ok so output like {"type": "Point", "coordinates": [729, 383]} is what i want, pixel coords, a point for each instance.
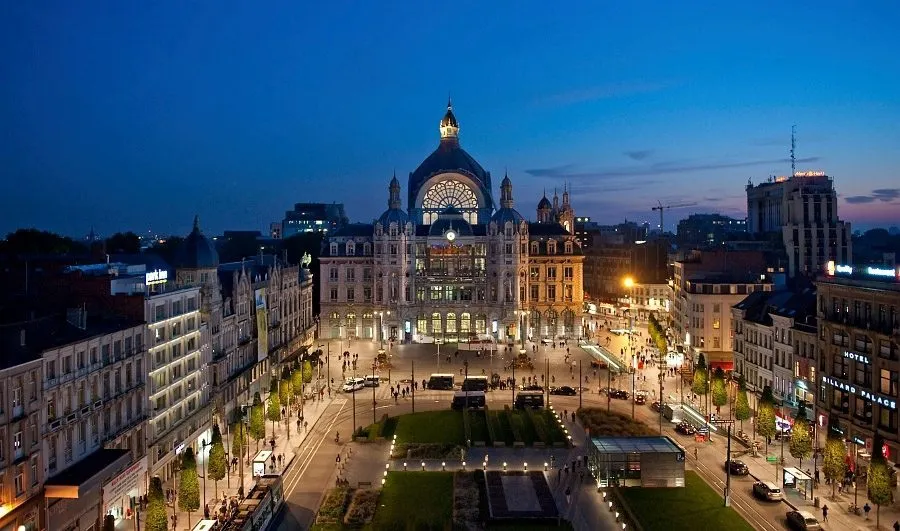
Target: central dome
{"type": "Point", "coordinates": [449, 157]}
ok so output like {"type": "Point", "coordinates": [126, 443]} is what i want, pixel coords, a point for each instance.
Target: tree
{"type": "Point", "coordinates": [286, 391]}
{"type": "Point", "coordinates": [34, 241]}
{"type": "Point", "coordinates": [168, 248]}
{"type": "Point", "coordinates": [238, 440]}
{"type": "Point", "coordinates": [273, 412]}
{"type": "Point", "coordinates": [765, 416]}
{"type": "Point", "coordinates": [741, 404]}
{"type": "Point", "coordinates": [297, 381]}
{"type": "Point", "coordinates": [834, 461]}
{"type": "Point", "coordinates": [155, 518]}
{"type": "Point", "coordinates": [218, 464]}
{"type": "Point", "coordinates": [801, 440]}
{"type": "Point", "coordinates": [701, 382]}
{"type": "Point", "coordinates": [719, 390]}
{"type": "Point", "coordinates": [257, 420]}
{"type": "Point", "coordinates": [307, 371]}
{"type": "Point", "coordinates": [123, 242]}
{"type": "Point", "coordinates": [879, 479]}
{"type": "Point", "coordinates": [188, 484]}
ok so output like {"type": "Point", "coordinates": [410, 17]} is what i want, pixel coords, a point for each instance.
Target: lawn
{"type": "Point", "coordinates": [444, 426]}
{"type": "Point", "coordinates": [683, 508]}
{"type": "Point", "coordinates": [413, 500]}
{"type": "Point", "coordinates": [479, 426]}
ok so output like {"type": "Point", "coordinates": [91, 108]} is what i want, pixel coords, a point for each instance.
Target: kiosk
{"type": "Point", "coordinates": [794, 478]}
{"type": "Point", "coordinates": [260, 462]}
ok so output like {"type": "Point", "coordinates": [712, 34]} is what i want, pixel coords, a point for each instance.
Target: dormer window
{"type": "Point", "coordinates": [568, 247]}
{"type": "Point", "coordinates": [534, 248]}
{"type": "Point", "coordinates": [334, 249]}
{"type": "Point", "coordinates": [551, 247]}
{"type": "Point", "coordinates": [393, 230]}
{"type": "Point", "coordinates": [508, 229]}
{"type": "Point", "coordinates": [367, 249]}
{"type": "Point", "coordinates": [351, 249]}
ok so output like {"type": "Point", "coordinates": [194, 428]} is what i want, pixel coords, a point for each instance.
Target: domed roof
{"type": "Point", "coordinates": [502, 215]}
{"type": "Point", "coordinates": [393, 215]}
{"type": "Point", "coordinates": [544, 203]}
{"type": "Point", "coordinates": [196, 251]}
{"type": "Point", "coordinates": [451, 218]}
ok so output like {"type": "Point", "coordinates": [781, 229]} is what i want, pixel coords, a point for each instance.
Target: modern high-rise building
{"type": "Point", "coordinates": [803, 209]}
{"type": "Point", "coordinates": [708, 229]}
{"type": "Point", "coordinates": [452, 266]}
{"type": "Point", "coordinates": [313, 217]}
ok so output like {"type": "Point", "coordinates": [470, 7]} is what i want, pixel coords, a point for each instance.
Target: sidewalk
{"type": "Point", "coordinates": [287, 443]}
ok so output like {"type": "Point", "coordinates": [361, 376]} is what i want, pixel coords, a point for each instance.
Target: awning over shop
{"type": "Point", "coordinates": [97, 467]}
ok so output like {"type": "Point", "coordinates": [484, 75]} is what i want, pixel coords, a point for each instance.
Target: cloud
{"type": "Point", "coordinates": [854, 199]}
{"type": "Point", "coordinates": [885, 195]}
{"type": "Point", "coordinates": [601, 92]}
{"type": "Point", "coordinates": [638, 155]}
{"type": "Point", "coordinates": [660, 168]}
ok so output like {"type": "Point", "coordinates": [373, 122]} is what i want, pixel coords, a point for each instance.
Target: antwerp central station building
{"type": "Point", "coordinates": [452, 266]}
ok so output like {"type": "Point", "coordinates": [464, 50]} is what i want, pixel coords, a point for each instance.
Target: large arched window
{"type": "Point", "coordinates": [450, 193]}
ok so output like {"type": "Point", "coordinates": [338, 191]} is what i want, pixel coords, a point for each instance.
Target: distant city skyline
{"type": "Point", "coordinates": [137, 117]}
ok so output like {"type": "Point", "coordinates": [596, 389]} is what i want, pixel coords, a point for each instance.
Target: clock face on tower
{"type": "Point", "coordinates": [450, 235]}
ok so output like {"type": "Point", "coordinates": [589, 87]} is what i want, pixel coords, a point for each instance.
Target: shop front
{"type": "Point", "coordinates": [121, 493]}
{"type": "Point", "coordinates": [74, 496]}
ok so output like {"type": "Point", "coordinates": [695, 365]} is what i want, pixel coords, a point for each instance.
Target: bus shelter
{"type": "Point", "coordinates": [794, 478]}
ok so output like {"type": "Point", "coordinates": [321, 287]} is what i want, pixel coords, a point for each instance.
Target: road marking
{"type": "Point", "coordinates": [310, 453]}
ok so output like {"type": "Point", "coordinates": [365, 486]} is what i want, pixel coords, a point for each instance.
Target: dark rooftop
{"type": "Point", "coordinates": [90, 466]}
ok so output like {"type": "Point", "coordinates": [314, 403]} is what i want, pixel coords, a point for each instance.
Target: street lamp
{"type": "Point", "coordinates": [438, 343]}
{"type": "Point", "coordinates": [328, 363]}
{"type": "Point", "coordinates": [203, 446]}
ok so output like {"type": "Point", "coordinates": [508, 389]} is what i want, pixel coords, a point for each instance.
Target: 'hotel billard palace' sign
{"type": "Point", "coordinates": [864, 393]}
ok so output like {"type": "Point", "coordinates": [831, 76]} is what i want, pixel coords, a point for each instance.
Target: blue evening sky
{"type": "Point", "coordinates": [137, 115]}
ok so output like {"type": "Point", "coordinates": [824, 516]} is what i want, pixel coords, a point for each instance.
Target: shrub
{"type": "Point", "coordinates": [362, 507]}
{"type": "Point", "coordinates": [334, 505]}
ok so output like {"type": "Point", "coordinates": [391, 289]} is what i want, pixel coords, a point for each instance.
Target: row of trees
{"type": "Point", "coordinates": [282, 391]}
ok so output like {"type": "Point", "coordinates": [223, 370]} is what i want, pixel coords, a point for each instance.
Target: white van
{"type": "Point", "coordinates": [353, 384]}
{"type": "Point", "coordinates": [373, 381]}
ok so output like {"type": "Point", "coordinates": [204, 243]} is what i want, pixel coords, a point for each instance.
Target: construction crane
{"type": "Point", "coordinates": [663, 208]}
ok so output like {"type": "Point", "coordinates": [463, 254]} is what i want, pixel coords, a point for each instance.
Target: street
{"type": "Point", "coordinates": [314, 470]}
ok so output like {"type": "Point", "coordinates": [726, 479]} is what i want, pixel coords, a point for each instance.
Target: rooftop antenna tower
{"type": "Point", "coordinates": [793, 148]}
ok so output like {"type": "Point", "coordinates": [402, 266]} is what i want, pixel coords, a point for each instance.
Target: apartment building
{"type": "Point", "coordinates": [707, 284]}
{"type": "Point", "coordinates": [93, 420]}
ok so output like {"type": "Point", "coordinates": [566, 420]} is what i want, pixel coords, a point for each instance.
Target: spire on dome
{"type": "Point", "coordinates": [506, 197]}
{"type": "Point", "coordinates": [449, 124]}
{"type": "Point", "coordinates": [394, 196]}
{"type": "Point", "coordinates": [196, 223]}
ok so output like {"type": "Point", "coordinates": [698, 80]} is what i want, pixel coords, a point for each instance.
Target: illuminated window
{"type": "Point", "coordinates": [450, 194]}
{"type": "Point", "coordinates": [716, 324]}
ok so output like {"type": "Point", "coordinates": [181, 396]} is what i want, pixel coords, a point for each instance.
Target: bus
{"type": "Point", "coordinates": [441, 382]}
{"type": "Point", "coordinates": [532, 399]}
{"type": "Point", "coordinates": [475, 383]}
{"type": "Point", "coordinates": [474, 399]}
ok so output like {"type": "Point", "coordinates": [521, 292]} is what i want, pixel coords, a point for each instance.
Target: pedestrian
{"type": "Point", "coordinates": [568, 494]}
{"type": "Point", "coordinates": [825, 513]}
{"type": "Point", "coordinates": [566, 468]}
{"type": "Point", "coordinates": [866, 509]}
{"type": "Point", "coordinates": [896, 525]}
{"type": "Point", "coordinates": [817, 477]}
{"type": "Point", "coordinates": [695, 452]}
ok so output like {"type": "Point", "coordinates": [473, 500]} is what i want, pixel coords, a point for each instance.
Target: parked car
{"type": "Point", "coordinates": [767, 490]}
{"type": "Point", "coordinates": [621, 394]}
{"type": "Point", "coordinates": [530, 388]}
{"type": "Point", "coordinates": [737, 467]}
{"type": "Point", "coordinates": [802, 520]}
{"type": "Point", "coordinates": [685, 428]}
{"type": "Point", "coordinates": [564, 390]}
{"type": "Point", "coordinates": [353, 384]}
{"type": "Point", "coordinates": [656, 406]}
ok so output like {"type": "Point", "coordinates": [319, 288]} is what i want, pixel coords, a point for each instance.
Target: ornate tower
{"type": "Point", "coordinates": [566, 214]}
{"type": "Point", "coordinates": [449, 125]}
{"type": "Point", "coordinates": [506, 198]}
{"type": "Point", "coordinates": [394, 202]}
{"type": "Point", "coordinates": [544, 210]}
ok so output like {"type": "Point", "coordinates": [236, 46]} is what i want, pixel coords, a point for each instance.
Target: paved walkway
{"type": "Point", "coordinates": [287, 442]}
